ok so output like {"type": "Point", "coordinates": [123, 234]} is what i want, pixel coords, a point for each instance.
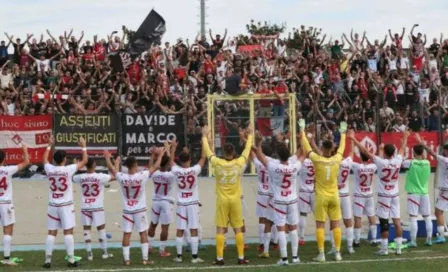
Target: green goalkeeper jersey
{"type": "Point", "coordinates": [417, 178]}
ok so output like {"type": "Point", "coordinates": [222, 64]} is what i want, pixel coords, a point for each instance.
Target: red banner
{"type": "Point", "coordinates": [250, 48]}
{"type": "Point", "coordinates": [369, 141]}
{"type": "Point", "coordinates": [431, 139]}
{"type": "Point", "coordinates": [35, 131]}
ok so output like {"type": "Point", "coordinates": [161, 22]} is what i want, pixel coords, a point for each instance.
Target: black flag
{"type": "Point", "coordinates": [149, 32]}
{"type": "Point", "coordinates": [119, 61]}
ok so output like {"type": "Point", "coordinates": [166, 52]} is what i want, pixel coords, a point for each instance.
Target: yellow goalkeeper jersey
{"type": "Point", "coordinates": [228, 173]}
{"type": "Point", "coordinates": [326, 169]}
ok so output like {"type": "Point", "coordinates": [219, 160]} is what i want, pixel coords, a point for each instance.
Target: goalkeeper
{"type": "Point", "coordinates": [326, 188]}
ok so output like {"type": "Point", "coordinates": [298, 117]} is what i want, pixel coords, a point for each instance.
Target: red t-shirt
{"type": "Point", "coordinates": [24, 59]}
{"type": "Point", "coordinates": [280, 89]}
{"type": "Point", "coordinates": [265, 103]}
{"type": "Point", "coordinates": [418, 63]}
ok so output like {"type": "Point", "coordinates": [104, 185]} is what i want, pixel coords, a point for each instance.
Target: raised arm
{"type": "Point", "coordinates": [362, 149]}
{"type": "Point", "coordinates": [404, 143]}
{"type": "Point", "coordinates": [259, 152]}
{"type": "Point", "coordinates": [83, 162]}
{"type": "Point", "coordinates": [205, 146]}
{"type": "Point", "coordinates": [159, 153]}
{"type": "Point", "coordinates": [26, 158]}
{"type": "Point", "coordinates": [342, 130]}
{"type": "Point", "coordinates": [303, 139]}
{"type": "Point", "coordinates": [422, 143]}
{"type": "Point", "coordinates": [47, 151]}
{"type": "Point", "coordinates": [113, 169]}
{"type": "Point", "coordinates": [248, 146]}
{"type": "Point", "coordinates": [173, 148]}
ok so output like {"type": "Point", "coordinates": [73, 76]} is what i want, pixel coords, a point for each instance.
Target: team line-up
{"type": "Point", "coordinates": [313, 180]}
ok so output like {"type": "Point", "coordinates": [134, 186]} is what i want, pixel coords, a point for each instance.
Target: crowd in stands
{"type": "Point", "coordinates": [387, 85]}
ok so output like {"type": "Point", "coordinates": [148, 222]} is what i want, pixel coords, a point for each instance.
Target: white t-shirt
{"type": "Point", "coordinates": [6, 173]}
{"type": "Point", "coordinates": [92, 190]}
{"type": "Point", "coordinates": [163, 186]}
{"type": "Point", "coordinates": [187, 184]}
{"type": "Point", "coordinates": [5, 80]}
{"type": "Point", "coordinates": [363, 174]}
{"type": "Point", "coordinates": [404, 63]}
{"type": "Point", "coordinates": [442, 172]}
{"type": "Point", "coordinates": [344, 173]}
{"type": "Point", "coordinates": [60, 181]}
{"type": "Point", "coordinates": [46, 64]}
{"type": "Point", "coordinates": [306, 177]}
{"type": "Point", "coordinates": [424, 94]}
{"type": "Point", "coordinates": [133, 190]}
{"type": "Point", "coordinates": [388, 173]}
{"type": "Point", "coordinates": [283, 180]}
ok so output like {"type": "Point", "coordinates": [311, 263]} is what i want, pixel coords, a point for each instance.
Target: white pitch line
{"type": "Point", "coordinates": [154, 268]}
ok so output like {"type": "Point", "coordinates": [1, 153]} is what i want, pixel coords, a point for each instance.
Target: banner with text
{"type": "Point", "coordinates": [142, 131]}
{"type": "Point", "coordinates": [370, 142]}
{"type": "Point", "coordinates": [100, 132]}
{"type": "Point", "coordinates": [34, 131]}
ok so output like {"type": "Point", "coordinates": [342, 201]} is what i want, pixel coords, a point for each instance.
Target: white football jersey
{"type": "Point", "coordinates": [306, 177]}
{"type": "Point", "coordinates": [363, 174]}
{"type": "Point", "coordinates": [6, 173]}
{"type": "Point", "coordinates": [187, 184]}
{"type": "Point", "coordinates": [388, 173]}
{"type": "Point", "coordinates": [442, 173]}
{"type": "Point", "coordinates": [263, 177]}
{"type": "Point", "coordinates": [92, 190]}
{"type": "Point", "coordinates": [133, 190]}
{"type": "Point", "coordinates": [344, 173]}
{"type": "Point", "coordinates": [283, 180]}
{"type": "Point", "coordinates": [163, 186]}
{"type": "Point", "coordinates": [60, 181]}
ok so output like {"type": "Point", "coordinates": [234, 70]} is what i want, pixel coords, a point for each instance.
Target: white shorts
{"type": "Point", "coordinates": [61, 217]}
{"type": "Point", "coordinates": [388, 207]}
{"type": "Point", "coordinates": [262, 209]}
{"type": "Point", "coordinates": [137, 220]}
{"type": "Point", "coordinates": [442, 201]}
{"type": "Point", "coordinates": [187, 217]}
{"type": "Point", "coordinates": [162, 212]}
{"type": "Point", "coordinates": [271, 210]}
{"type": "Point", "coordinates": [306, 202]}
{"type": "Point", "coordinates": [95, 218]}
{"type": "Point", "coordinates": [363, 206]}
{"type": "Point", "coordinates": [419, 204]}
{"type": "Point", "coordinates": [7, 215]}
{"type": "Point", "coordinates": [346, 207]}
{"type": "Point", "coordinates": [286, 214]}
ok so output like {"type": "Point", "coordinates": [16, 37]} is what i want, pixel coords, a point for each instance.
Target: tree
{"type": "Point", "coordinates": [297, 38]}
{"type": "Point", "coordinates": [259, 29]}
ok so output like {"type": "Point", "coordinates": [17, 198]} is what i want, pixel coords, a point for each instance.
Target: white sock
{"type": "Point", "coordinates": [301, 227]}
{"type": "Point", "coordinates": [294, 242]}
{"type": "Point", "coordinates": [103, 240]}
{"type": "Point", "coordinates": [187, 237]}
{"type": "Point", "coordinates": [200, 233]}
{"type": "Point", "coordinates": [349, 232]}
{"type": "Point", "coordinates": [150, 241]}
{"type": "Point", "coordinates": [384, 244]}
{"type": "Point", "coordinates": [332, 239]}
{"type": "Point", "coordinates": [49, 248]}
{"type": "Point", "coordinates": [414, 228]}
{"type": "Point", "coordinates": [194, 245]}
{"type": "Point", "coordinates": [274, 236]}
{"type": "Point", "coordinates": [179, 244]}
{"type": "Point", "coordinates": [373, 231]}
{"type": "Point", "coordinates": [267, 241]}
{"type": "Point", "coordinates": [282, 244]}
{"type": "Point", "coordinates": [441, 231]}
{"type": "Point", "coordinates": [399, 241]}
{"type": "Point", "coordinates": [7, 246]}
{"type": "Point", "coordinates": [145, 249]}
{"type": "Point", "coordinates": [126, 253]}
{"type": "Point", "coordinates": [70, 247]}
{"type": "Point", "coordinates": [357, 234]}
{"type": "Point", "coordinates": [261, 233]}
{"type": "Point", "coordinates": [429, 227]}
{"type": "Point", "coordinates": [162, 246]}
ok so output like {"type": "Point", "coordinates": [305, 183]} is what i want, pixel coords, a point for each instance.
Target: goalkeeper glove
{"type": "Point", "coordinates": [302, 124]}
{"type": "Point", "coordinates": [343, 127]}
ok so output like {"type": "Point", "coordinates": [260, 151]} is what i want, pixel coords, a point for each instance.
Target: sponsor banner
{"type": "Point", "coordinates": [143, 131]}
{"type": "Point", "coordinates": [100, 132]}
{"type": "Point", "coordinates": [431, 139]}
{"type": "Point", "coordinates": [35, 131]}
